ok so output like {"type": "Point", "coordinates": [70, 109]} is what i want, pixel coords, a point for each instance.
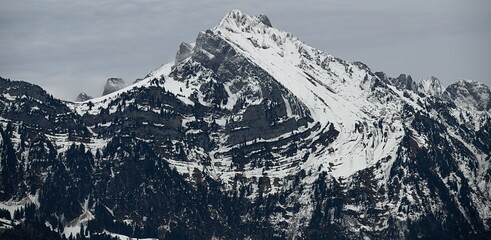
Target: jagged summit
{"type": "Point", "coordinates": [185, 50]}
{"type": "Point", "coordinates": [431, 86]}
{"type": "Point", "coordinates": [82, 97]}
{"type": "Point", "coordinates": [469, 94]}
{"type": "Point", "coordinates": [404, 81]}
{"type": "Point", "coordinates": [112, 85]}
{"type": "Point", "coordinates": [238, 19]}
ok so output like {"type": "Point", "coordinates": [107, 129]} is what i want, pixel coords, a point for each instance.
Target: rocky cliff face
{"type": "Point", "coordinates": [82, 97]}
{"type": "Point", "coordinates": [250, 133]}
{"type": "Point", "coordinates": [185, 50]}
{"type": "Point", "coordinates": [112, 85]}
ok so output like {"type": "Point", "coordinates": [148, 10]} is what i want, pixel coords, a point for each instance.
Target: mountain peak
{"type": "Point", "coordinates": [470, 94]}
{"type": "Point", "coordinates": [82, 97]}
{"type": "Point", "coordinates": [185, 50]}
{"type": "Point", "coordinates": [237, 19]}
{"type": "Point", "coordinates": [430, 86]}
{"type": "Point", "coordinates": [113, 84]}
{"type": "Point", "coordinates": [404, 81]}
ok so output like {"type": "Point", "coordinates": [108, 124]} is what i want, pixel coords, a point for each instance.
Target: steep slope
{"type": "Point", "coordinates": [250, 133]}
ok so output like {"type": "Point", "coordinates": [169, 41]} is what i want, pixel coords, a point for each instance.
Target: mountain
{"type": "Point", "coordinates": [250, 134]}
{"type": "Point", "coordinates": [82, 97]}
{"type": "Point", "coordinates": [431, 86]}
{"type": "Point", "coordinates": [404, 82]}
{"type": "Point", "coordinates": [470, 94]}
{"type": "Point", "coordinates": [112, 85]}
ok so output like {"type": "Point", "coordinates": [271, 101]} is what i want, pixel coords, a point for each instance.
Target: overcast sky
{"type": "Point", "coordinates": [72, 46]}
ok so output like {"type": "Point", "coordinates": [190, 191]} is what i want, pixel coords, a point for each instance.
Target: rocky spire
{"type": "Point", "coordinates": [113, 84]}
{"type": "Point", "coordinates": [265, 20]}
{"type": "Point", "coordinates": [404, 82]}
{"type": "Point", "coordinates": [238, 19]}
{"type": "Point", "coordinates": [185, 50]}
{"type": "Point", "coordinates": [82, 97]}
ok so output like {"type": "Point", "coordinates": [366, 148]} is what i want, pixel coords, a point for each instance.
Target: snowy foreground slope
{"type": "Point", "coordinates": [250, 134]}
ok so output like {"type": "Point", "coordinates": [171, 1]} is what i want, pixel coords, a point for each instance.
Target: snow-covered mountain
{"type": "Point", "coordinates": [470, 94]}
{"type": "Point", "coordinates": [251, 133]}
{"type": "Point", "coordinates": [431, 86]}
